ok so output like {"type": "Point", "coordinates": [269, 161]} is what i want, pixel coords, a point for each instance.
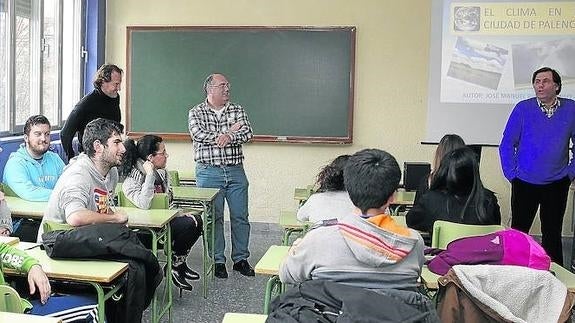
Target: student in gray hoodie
{"type": "Point", "coordinates": [368, 250]}
{"type": "Point", "coordinates": [84, 192]}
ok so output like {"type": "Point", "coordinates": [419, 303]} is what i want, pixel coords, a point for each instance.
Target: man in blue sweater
{"type": "Point", "coordinates": [33, 170]}
{"type": "Point", "coordinates": [534, 155]}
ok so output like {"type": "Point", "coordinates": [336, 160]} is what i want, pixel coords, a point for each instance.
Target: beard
{"type": "Point", "coordinates": [39, 150]}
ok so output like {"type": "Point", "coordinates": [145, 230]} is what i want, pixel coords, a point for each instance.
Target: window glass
{"type": "Point", "coordinates": [50, 60]}
{"type": "Point", "coordinates": [23, 65]}
{"type": "Point", "coordinates": [3, 66]}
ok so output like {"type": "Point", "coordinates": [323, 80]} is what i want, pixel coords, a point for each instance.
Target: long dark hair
{"type": "Point", "coordinates": [458, 176]}
{"type": "Point", "coordinates": [448, 143]}
{"type": "Point", "coordinates": [146, 145]}
{"type": "Point", "coordinates": [330, 178]}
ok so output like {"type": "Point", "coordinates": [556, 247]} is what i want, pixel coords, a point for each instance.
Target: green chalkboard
{"type": "Point", "coordinates": [295, 83]}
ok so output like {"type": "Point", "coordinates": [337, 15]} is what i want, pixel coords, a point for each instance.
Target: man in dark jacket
{"type": "Point", "coordinates": [103, 102]}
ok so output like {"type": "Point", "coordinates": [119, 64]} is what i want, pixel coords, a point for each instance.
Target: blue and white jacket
{"type": "Point", "coordinates": [32, 179]}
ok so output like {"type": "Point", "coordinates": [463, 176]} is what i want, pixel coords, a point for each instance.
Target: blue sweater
{"type": "Point", "coordinates": [535, 148]}
{"type": "Point", "coordinates": [31, 179]}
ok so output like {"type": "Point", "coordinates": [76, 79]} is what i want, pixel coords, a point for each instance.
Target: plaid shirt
{"type": "Point", "coordinates": [205, 126]}
{"type": "Point", "coordinates": [549, 111]}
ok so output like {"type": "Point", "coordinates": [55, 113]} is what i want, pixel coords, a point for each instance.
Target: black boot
{"type": "Point", "coordinates": [189, 273]}
{"type": "Point", "coordinates": [179, 274]}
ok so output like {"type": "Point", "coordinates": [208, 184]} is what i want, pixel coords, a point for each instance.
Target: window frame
{"type": "Point", "coordinates": [37, 46]}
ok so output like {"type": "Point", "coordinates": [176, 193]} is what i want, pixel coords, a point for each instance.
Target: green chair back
{"type": "Point", "coordinates": [10, 301]}
{"type": "Point", "coordinates": [174, 177]}
{"type": "Point", "coordinates": [50, 226]}
{"type": "Point", "coordinates": [8, 191]}
{"type": "Point", "coordinates": [444, 232]}
{"type": "Point", "coordinates": [159, 201]}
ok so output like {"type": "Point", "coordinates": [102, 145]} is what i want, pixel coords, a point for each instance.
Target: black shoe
{"type": "Point", "coordinates": [220, 271]}
{"type": "Point", "coordinates": [179, 264]}
{"type": "Point", "coordinates": [191, 275]}
{"type": "Point", "coordinates": [184, 270]}
{"type": "Point", "coordinates": [244, 268]}
{"type": "Point", "coordinates": [179, 279]}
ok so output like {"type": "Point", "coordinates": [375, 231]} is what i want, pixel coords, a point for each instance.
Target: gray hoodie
{"type": "Point", "coordinates": [80, 187]}
{"type": "Point", "coordinates": [358, 253]}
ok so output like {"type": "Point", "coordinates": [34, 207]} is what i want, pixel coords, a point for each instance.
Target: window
{"type": "Point", "coordinates": [40, 61]}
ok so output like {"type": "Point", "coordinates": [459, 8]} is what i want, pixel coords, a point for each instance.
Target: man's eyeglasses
{"type": "Point", "coordinates": [222, 86]}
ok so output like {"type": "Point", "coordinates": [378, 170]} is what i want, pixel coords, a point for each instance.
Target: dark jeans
{"type": "Point", "coordinates": [552, 200]}
{"type": "Point", "coordinates": [185, 232]}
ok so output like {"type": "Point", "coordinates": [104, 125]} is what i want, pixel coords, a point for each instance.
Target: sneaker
{"type": "Point", "coordinates": [220, 271]}
{"type": "Point", "coordinates": [244, 268]}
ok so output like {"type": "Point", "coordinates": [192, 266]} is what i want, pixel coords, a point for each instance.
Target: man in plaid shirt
{"type": "Point", "coordinates": [218, 129]}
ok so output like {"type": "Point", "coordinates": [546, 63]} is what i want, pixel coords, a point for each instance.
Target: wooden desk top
{"type": "Point", "coordinates": [16, 317]}
{"type": "Point", "coordinates": [9, 240]}
{"type": "Point", "coordinates": [564, 275]}
{"type": "Point", "coordinates": [192, 193]}
{"type": "Point", "coordinates": [189, 175]}
{"type": "Point", "coordinates": [22, 208]}
{"type": "Point", "coordinates": [244, 318]}
{"type": "Point", "coordinates": [99, 271]}
{"type": "Point", "coordinates": [301, 194]}
{"type": "Point", "coordinates": [153, 218]}
{"type": "Point", "coordinates": [288, 220]}
{"type": "Point", "coordinates": [403, 198]}
{"type": "Point", "coordinates": [270, 262]}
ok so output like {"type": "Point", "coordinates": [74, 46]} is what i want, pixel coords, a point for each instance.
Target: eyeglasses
{"type": "Point", "coordinates": [222, 86]}
{"type": "Point", "coordinates": [163, 153]}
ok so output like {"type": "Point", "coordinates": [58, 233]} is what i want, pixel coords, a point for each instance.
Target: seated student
{"type": "Point", "coordinates": [331, 199]}
{"type": "Point", "coordinates": [83, 198]}
{"type": "Point", "coordinates": [456, 194]}
{"type": "Point", "coordinates": [32, 171]}
{"type": "Point", "coordinates": [366, 250]}
{"type": "Point", "coordinates": [448, 143]}
{"type": "Point", "coordinates": [15, 258]}
{"type": "Point", "coordinates": [73, 308]}
{"type": "Point", "coordinates": [144, 165]}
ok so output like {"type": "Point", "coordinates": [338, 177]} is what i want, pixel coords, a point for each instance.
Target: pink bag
{"type": "Point", "coordinates": [505, 247]}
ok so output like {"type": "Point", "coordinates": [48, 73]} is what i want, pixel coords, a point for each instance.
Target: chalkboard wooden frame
{"type": "Point", "coordinates": [133, 70]}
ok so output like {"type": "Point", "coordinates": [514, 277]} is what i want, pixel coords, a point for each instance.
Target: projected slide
{"type": "Point", "coordinates": [482, 57]}
{"type": "Point", "coordinates": [490, 49]}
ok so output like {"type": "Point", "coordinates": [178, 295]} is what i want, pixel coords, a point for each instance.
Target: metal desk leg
{"type": "Point", "coordinates": [273, 287]}
{"type": "Point", "coordinates": [208, 242]}
{"type": "Point", "coordinates": [166, 237]}
{"type": "Point", "coordinates": [102, 297]}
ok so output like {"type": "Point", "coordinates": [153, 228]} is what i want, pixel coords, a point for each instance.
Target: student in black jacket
{"type": "Point", "coordinates": [447, 143]}
{"type": "Point", "coordinates": [456, 194]}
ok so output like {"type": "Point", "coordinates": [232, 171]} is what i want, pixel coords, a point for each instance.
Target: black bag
{"type": "Point", "coordinates": [326, 302]}
{"type": "Point", "coordinates": [27, 230]}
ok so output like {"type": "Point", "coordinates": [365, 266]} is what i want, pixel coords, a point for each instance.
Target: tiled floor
{"type": "Point", "coordinates": [234, 294]}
